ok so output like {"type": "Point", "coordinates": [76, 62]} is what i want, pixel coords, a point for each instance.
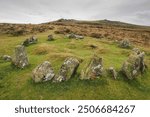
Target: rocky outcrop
{"type": "Point", "coordinates": [43, 72]}
{"type": "Point", "coordinates": [29, 41]}
{"type": "Point", "coordinates": [134, 65]}
{"type": "Point", "coordinates": [94, 69]}
{"type": "Point", "coordinates": [20, 58]}
{"type": "Point", "coordinates": [67, 70]}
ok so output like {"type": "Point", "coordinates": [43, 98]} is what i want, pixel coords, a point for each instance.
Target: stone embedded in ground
{"type": "Point", "coordinates": [125, 44]}
{"type": "Point", "coordinates": [43, 72]}
{"type": "Point", "coordinates": [134, 65]}
{"type": "Point", "coordinates": [50, 38]}
{"type": "Point", "coordinates": [7, 58]}
{"type": "Point", "coordinates": [94, 69]}
{"type": "Point", "coordinates": [67, 70]}
{"type": "Point", "coordinates": [20, 58]}
{"type": "Point", "coordinates": [74, 36]}
{"type": "Point", "coordinates": [29, 41]}
{"type": "Point", "coordinates": [113, 72]}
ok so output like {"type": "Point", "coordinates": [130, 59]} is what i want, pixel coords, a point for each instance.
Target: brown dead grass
{"type": "Point", "coordinates": [44, 48]}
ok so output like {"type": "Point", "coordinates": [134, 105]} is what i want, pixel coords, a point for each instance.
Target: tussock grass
{"type": "Point", "coordinates": [18, 84]}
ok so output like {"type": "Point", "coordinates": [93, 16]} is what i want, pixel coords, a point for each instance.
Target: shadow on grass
{"type": "Point", "coordinates": [72, 83]}
{"type": "Point", "coordinates": [135, 83]}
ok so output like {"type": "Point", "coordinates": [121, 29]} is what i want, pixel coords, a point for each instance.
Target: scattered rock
{"type": "Point", "coordinates": [113, 72]}
{"type": "Point", "coordinates": [43, 72]}
{"type": "Point", "coordinates": [94, 69]}
{"type": "Point", "coordinates": [7, 58]}
{"type": "Point", "coordinates": [134, 65]}
{"type": "Point", "coordinates": [67, 70]}
{"type": "Point", "coordinates": [29, 41]}
{"type": "Point", "coordinates": [71, 36]}
{"type": "Point", "coordinates": [125, 44]}
{"type": "Point", "coordinates": [50, 38]}
{"type": "Point", "coordinates": [20, 58]}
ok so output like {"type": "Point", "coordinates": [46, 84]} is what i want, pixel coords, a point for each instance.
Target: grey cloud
{"type": "Point", "coordinates": [38, 11]}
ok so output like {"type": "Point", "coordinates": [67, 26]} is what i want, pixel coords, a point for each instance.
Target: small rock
{"type": "Point", "coordinates": [50, 38]}
{"type": "Point", "coordinates": [94, 69]}
{"type": "Point", "coordinates": [67, 70]}
{"type": "Point", "coordinates": [71, 36]}
{"type": "Point", "coordinates": [29, 41]}
{"type": "Point", "coordinates": [20, 58]}
{"type": "Point", "coordinates": [43, 72]}
{"type": "Point", "coordinates": [7, 58]}
{"type": "Point", "coordinates": [113, 72]}
{"type": "Point", "coordinates": [125, 44]}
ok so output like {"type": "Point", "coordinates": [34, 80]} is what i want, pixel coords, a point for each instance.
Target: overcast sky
{"type": "Point", "coordinates": [39, 11]}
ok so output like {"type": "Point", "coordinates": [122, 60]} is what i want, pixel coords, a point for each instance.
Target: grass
{"type": "Point", "coordinates": [18, 84]}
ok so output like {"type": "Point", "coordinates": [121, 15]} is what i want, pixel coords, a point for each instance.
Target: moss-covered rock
{"type": "Point", "coordinates": [94, 69]}
{"type": "Point", "coordinates": [67, 69]}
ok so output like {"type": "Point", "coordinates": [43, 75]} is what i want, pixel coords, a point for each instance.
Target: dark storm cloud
{"type": "Point", "coordinates": [37, 11]}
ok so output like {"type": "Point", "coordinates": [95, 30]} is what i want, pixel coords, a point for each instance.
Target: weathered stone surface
{"type": "Point", "coordinates": [20, 58]}
{"type": "Point", "coordinates": [134, 65]}
{"type": "Point", "coordinates": [67, 70]}
{"type": "Point", "coordinates": [94, 69]}
{"type": "Point", "coordinates": [29, 41]}
{"type": "Point", "coordinates": [50, 38]}
{"type": "Point", "coordinates": [43, 72]}
{"type": "Point", "coordinates": [125, 44]}
{"type": "Point", "coordinates": [113, 72]}
{"type": "Point", "coordinates": [7, 58]}
{"type": "Point", "coordinates": [71, 36]}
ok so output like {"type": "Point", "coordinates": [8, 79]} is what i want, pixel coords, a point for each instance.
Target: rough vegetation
{"type": "Point", "coordinates": [95, 53]}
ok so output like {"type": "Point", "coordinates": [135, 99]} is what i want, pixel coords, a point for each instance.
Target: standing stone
{"type": "Point", "coordinates": [50, 38]}
{"type": "Point", "coordinates": [134, 65]}
{"type": "Point", "coordinates": [67, 70]}
{"type": "Point", "coordinates": [113, 72]}
{"type": "Point", "coordinates": [94, 69]}
{"type": "Point", "coordinates": [43, 72]}
{"type": "Point", "coordinates": [20, 58]}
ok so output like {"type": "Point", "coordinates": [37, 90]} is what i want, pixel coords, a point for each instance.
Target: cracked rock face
{"type": "Point", "coordinates": [94, 69]}
{"type": "Point", "coordinates": [20, 59]}
{"type": "Point", "coordinates": [67, 70]}
{"type": "Point", "coordinates": [134, 65]}
{"type": "Point", "coordinates": [43, 72]}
